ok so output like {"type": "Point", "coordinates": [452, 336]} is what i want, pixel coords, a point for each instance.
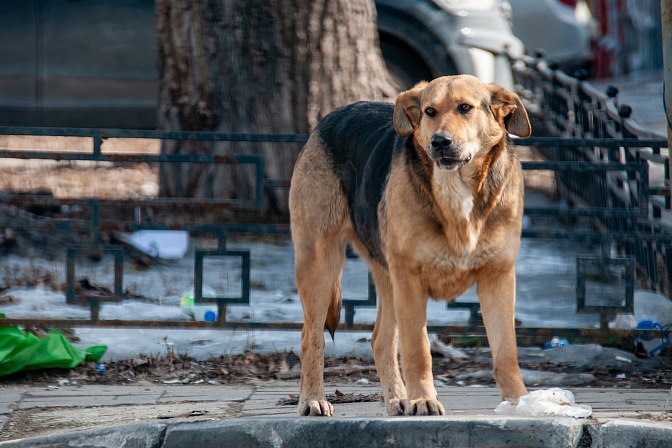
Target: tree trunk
{"type": "Point", "coordinates": [270, 66]}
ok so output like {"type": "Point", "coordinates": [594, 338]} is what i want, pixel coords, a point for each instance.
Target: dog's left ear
{"type": "Point", "coordinates": [407, 111]}
{"type": "Point", "coordinates": [509, 110]}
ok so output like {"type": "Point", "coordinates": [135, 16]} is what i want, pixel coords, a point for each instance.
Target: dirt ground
{"type": "Point", "coordinates": [251, 367]}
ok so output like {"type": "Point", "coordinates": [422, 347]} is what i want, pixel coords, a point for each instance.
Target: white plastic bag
{"type": "Point", "coordinates": [544, 403]}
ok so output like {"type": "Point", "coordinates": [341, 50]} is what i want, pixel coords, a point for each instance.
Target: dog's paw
{"type": "Point", "coordinates": [319, 407]}
{"type": "Point", "coordinates": [423, 406]}
{"type": "Point", "coordinates": [396, 406]}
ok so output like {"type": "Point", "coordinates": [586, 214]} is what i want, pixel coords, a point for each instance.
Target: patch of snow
{"type": "Point", "coordinates": [546, 272]}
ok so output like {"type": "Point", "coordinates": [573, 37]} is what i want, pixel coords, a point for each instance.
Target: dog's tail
{"type": "Point", "coordinates": [334, 312]}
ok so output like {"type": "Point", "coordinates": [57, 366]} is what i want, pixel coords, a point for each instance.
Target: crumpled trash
{"type": "Point", "coordinates": [25, 351]}
{"type": "Point", "coordinates": [447, 351]}
{"type": "Point", "coordinates": [652, 311]}
{"type": "Point", "coordinates": [555, 343]}
{"type": "Point", "coordinates": [554, 402]}
{"type": "Point", "coordinates": [536, 378]}
{"type": "Point", "coordinates": [202, 311]}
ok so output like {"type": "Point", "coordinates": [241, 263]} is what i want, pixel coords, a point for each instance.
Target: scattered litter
{"type": "Point", "coordinates": [183, 415]}
{"type": "Point", "coordinates": [204, 311]}
{"type": "Point", "coordinates": [288, 374]}
{"type": "Point", "coordinates": [63, 382]}
{"type": "Point", "coordinates": [624, 322]}
{"type": "Point", "coordinates": [149, 189]}
{"type": "Point", "coordinates": [447, 351]}
{"type": "Point", "coordinates": [337, 397]}
{"type": "Point", "coordinates": [213, 382]}
{"type": "Point", "coordinates": [168, 244]}
{"type": "Point", "coordinates": [460, 383]}
{"type": "Point", "coordinates": [363, 381]}
{"type": "Point", "coordinates": [100, 367]}
{"type": "Point", "coordinates": [175, 381]}
{"type": "Point", "coordinates": [620, 376]}
{"type": "Point", "coordinates": [199, 381]}
{"type": "Point", "coordinates": [652, 345]}
{"type": "Point", "coordinates": [620, 358]}
{"type": "Point", "coordinates": [555, 343]}
{"type": "Point", "coordinates": [589, 356]}
{"type": "Point", "coordinates": [9, 300]}
{"type": "Point", "coordinates": [53, 388]}
{"type": "Point", "coordinates": [537, 378]}
{"type": "Point", "coordinates": [650, 310]}
{"type": "Point", "coordinates": [25, 351]}
{"type": "Point", "coordinates": [550, 402]}
{"type": "Point", "coordinates": [526, 221]}
{"type": "Point", "coordinates": [439, 383]}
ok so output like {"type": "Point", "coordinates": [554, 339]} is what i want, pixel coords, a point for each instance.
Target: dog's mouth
{"type": "Point", "coordinates": [449, 163]}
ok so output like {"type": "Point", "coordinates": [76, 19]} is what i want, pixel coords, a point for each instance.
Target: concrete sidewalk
{"type": "Point", "coordinates": [621, 417]}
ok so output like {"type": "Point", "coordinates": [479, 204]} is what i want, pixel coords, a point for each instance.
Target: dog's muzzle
{"type": "Point", "coordinates": [445, 153]}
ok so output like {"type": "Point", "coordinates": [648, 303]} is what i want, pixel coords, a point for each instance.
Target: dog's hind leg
{"type": "Point", "coordinates": [318, 272]}
{"type": "Point", "coordinates": [384, 343]}
{"type": "Point", "coordinates": [319, 220]}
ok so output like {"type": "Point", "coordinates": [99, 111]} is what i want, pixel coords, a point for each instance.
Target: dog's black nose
{"type": "Point", "coordinates": [441, 142]}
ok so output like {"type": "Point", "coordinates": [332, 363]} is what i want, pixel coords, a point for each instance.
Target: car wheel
{"type": "Point", "coordinates": [405, 67]}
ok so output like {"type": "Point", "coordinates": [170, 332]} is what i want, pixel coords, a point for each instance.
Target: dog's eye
{"type": "Point", "coordinates": [464, 107]}
{"type": "Point", "coordinates": [430, 112]}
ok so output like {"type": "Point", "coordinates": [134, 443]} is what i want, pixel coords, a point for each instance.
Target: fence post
{"type": "Point", "coordinates": [666, 22]}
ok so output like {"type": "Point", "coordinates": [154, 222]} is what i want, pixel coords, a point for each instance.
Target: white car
{"type": "Point", "coordinates": [562, 28]}
{"type": "Point", "coordinates": [424, 39]}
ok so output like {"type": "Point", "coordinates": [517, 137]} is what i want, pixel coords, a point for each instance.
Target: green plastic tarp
{"type": "Point", "coordinates": [25, 351]}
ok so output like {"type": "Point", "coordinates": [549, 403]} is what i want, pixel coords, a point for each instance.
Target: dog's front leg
{"type": "Point", "coordinates": [385, 348]}
{"type": "Point", "coordinates": [497, 294]}
{"type": "Point", "coordinates": [410, 305]}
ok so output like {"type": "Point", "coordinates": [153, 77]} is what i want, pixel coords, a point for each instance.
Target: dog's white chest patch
{"type": "Point", "coordinates": [466, 203]}
{"type": "Point", "coordinates": [455, 193]}
{"type": "Point", "coordinates": [456, 198]}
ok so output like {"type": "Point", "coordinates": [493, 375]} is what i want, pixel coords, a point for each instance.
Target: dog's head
{"type": "Point", "coordinates": [457, 118]}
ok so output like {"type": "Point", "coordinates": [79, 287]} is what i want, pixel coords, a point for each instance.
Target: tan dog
{"type": "Point", "coordinates": [433, 208]}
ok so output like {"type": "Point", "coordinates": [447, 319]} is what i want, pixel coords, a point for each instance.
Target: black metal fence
{"type": "Point", "coordinates": [601, 158]}
{"type": "Point", "coordinates": [601, 132]}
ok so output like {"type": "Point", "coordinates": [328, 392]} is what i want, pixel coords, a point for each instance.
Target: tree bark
{"type": "Point", "coordinates": [270, 66]}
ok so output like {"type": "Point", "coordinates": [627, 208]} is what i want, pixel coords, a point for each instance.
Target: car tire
{"type": "Point", "coordinates": [405, 67]}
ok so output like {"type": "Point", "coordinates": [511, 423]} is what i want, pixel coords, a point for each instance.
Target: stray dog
{"type": "Point", "coordinates": [430, 193]}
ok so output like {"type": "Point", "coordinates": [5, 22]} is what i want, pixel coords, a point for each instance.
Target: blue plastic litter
{"type": "Point", "coordinates": [650, 325]}
{"type": "Point", "coordinates": [555, 343]}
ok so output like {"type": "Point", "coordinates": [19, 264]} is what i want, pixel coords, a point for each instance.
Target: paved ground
{"type": "Point", "coordinates": [40, 411]}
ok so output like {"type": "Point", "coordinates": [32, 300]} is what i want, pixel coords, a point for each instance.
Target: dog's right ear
{"type": "Point", "coordinates": [407, 111]}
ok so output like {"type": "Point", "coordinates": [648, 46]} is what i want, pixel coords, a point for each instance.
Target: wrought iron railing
{"type": "Point", "coordinates": [602, 132]}
{"type": "Point", "coordinates": [597, 159]}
